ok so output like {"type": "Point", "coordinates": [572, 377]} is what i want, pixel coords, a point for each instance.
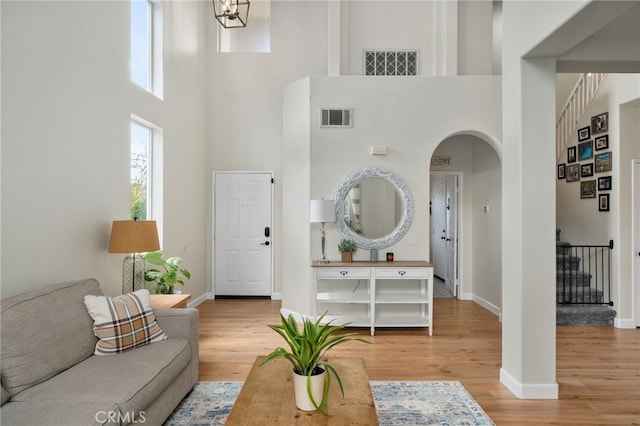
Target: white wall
{"type": "Point", "coordinates": [67, 102]}
{"type": "Point", "coordinates": [475, 37]}
{"type": "Point", "coordinates": [245, 95]}
{"type": "Point", "coordinates": [404, 115]}
{"type": "Point", "coordinates": [375, 25]}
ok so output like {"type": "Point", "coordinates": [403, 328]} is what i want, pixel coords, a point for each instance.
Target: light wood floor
{"type": "Point", "coordinates": [598, 368]}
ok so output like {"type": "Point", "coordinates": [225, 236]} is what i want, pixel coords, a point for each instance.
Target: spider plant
{"type": "Point", "coordinates": [306, 349]}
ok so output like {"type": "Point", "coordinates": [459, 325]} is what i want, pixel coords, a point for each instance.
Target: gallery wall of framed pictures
{"type": "Point", "coordinates": [589, 161]}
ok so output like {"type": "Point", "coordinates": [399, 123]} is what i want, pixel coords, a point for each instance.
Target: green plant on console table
{"type": "Point", "coordinates": [308, 347]}
{"type": "Point", "coordinates": [347, 245]}
{"type": "Point", "coordinates": [168, 276]}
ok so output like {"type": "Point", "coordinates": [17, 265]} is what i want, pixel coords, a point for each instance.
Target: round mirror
{"type": "Point", "coordinates": [374, 207]}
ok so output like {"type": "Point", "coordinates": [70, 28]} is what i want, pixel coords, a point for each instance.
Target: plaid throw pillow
{"type": "Point", "coordinates": [123, 322]}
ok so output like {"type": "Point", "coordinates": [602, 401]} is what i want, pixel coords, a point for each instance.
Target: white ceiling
{"type": "Point", "coordinates": [602, 37]}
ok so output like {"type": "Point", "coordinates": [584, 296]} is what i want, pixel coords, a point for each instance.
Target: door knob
{"type": "Point", "coordinates": [266, 243]}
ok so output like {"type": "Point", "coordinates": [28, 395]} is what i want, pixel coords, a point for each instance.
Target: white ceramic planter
{"type": "Point", "coordinates": [303, 401]}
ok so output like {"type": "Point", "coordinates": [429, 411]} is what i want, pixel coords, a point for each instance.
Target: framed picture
{"type": "Point", "coordinates": [601, 142]}
{"type": "Point", "coordinates": [584, 134]}
{"type": "Point", "coordinates": [603, 162]}
{"type": "Point", "coordinates": [571, 154]}
{"type": "Point", "coordinates": [600, 123]}
{"type": "Point", "coordinates": [604, 183]}
{"type": "Point", "coordinates": [573, 172]}
{"type": "Point", "coordinates": [561, 170]}
{"type": "Point", "coordinates": [603, 202]}
{"type": "Point", "coordinates": [585, 150]}
{"type": "Point", "coordinates": [586, 170]}
{"type": "Point", "coordinates": [588, 189]}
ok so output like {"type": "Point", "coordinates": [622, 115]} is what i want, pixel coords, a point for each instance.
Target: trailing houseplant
{"type": "Point", "coordinates": [168, 276]}
{"type": "Point", "coordinates": [347, 247]}
{"type": "Point", "coordinates": [307, 347]}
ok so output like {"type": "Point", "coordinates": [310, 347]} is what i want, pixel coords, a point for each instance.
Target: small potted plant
{"type": "Point", "coordinates": [311, 375]}
{"type": "Point", "coordinates": [347, 247]}
{"type": "Point", "coordinates": [167, 277]}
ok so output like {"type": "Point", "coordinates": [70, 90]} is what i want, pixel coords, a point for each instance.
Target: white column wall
{"type": "Point", "coordinates": [528, 292]}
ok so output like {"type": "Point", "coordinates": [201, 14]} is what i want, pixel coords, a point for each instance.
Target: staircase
{"type": "Point", "coordinates": [578, 302]}
{"type": "Point", "coordinates": [583, 92]}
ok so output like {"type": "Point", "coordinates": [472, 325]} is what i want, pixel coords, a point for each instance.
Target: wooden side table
{"type": "Point", "coordinates": [166, 301]}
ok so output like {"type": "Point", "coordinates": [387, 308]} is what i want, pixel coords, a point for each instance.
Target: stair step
{"type": "Point", "coordinates": [567, 261]}
{"type": "Point", "coordinates": [585, 315]}
{"type": "Point", "coordinates": [570, 278]}
{"type": "Point", "coordinates": [579, 295]}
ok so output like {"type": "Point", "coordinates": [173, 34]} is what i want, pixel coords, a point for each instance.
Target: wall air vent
{"type": "Point", "coordinates": [391, 62]}
{"type": "Point", "coordinates": [335, 117]}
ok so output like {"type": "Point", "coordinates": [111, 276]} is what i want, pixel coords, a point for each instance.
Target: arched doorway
{"type": "Point", "coordinates": [466, 175]}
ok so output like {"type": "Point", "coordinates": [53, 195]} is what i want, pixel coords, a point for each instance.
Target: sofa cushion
{"type": "Point", "coordinates": [123, 322]}
{"type": "Point", "coordinates": [56, 413]}
{"type": "Point", "coordinates": [45, 332]}
{"type": "Point", "coordinates": [131, 380]}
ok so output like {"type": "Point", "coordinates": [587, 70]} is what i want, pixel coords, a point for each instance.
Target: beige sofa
{"type": "Point", "coordinates": [51, 377]}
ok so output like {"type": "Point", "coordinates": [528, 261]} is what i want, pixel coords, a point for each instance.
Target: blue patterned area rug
{"type": "Point", "coordinates": [397, 403]}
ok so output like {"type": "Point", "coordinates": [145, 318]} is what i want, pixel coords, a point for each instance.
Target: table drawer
{"type": "Point", "coordinates": [402, 273]}
{"type": "Point", "coordinates": [339, 273]}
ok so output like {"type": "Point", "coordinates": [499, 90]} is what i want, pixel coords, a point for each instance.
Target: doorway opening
{"type": "Point", "coordinates": [466, 218]}
{"type": "Point", "coordinates": [445, 235]}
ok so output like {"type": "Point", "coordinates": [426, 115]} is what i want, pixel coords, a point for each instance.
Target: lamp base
{"type": "Point", "coordinates": [323, 260]}
{"type": "Point", "coordinates": [132, 273]}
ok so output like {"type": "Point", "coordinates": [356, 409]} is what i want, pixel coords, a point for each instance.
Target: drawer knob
{"type": "Point", "coordinates": [344, 273]}
{"type": "Point", "coordinates": [401, 273]}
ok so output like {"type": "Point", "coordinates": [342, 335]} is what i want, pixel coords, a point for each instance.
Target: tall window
{"type": "Point", "coordinates": [142, 43]}
{"type": "Point", "coordinates": [141, 151]}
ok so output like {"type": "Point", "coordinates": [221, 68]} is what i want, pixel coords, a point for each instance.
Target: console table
{"type": "Point", "coordinates": [375, 294]}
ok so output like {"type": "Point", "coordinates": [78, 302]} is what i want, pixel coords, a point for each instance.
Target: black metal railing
{"type": "Point", "coordinates": [583, 275]}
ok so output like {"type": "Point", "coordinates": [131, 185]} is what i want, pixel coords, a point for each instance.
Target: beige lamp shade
{"type": "Point", "coordinates": [134, 236]}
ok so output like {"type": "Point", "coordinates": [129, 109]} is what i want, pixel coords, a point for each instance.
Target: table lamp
{"type": "Point", "coordinates": [322, 211]}
{"type": "Point", "coordinates": [131, 237]}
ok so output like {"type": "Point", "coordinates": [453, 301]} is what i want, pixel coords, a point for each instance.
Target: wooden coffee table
{"type": "Point", "coordinates": [267, 397]}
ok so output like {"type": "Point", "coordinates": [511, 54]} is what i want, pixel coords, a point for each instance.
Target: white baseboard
{"type": "Point", "coordinates": [297, 315]}
{"type": "Point", "coordinates": [624, 323]}
{"type": "Point", "coordinates": [528, 391]}
{"type": "Point", "coordinates": [465, 296]}
{"type": "Point", "coordinates": [276, 296]}
{"type": "Point", "coordinates": [488, 306]}
{"type": "Point", "coordinates": [198, 300]}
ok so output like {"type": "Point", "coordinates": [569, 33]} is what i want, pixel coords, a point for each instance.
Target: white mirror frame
{"type": "Point", "coordinates": [407, 211]}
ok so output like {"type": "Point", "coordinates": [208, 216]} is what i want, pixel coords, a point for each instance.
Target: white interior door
{"type": "Point", "coordinates": [243, 233]}
{"type": "Point", "coordinates": [438, 227]}
{"type": "Point", "coordinates": [636, 238]}
{"type": "Point", "coordinates": [451, 237]}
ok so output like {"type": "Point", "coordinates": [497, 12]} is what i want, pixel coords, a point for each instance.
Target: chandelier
{"type": "Point", "coordinates": [231, 13]}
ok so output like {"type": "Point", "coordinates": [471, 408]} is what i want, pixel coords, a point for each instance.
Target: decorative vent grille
{"type": "Point", "coordinates": [335, 117]}
{"type": "Point", "coordinates": [390, 62]}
